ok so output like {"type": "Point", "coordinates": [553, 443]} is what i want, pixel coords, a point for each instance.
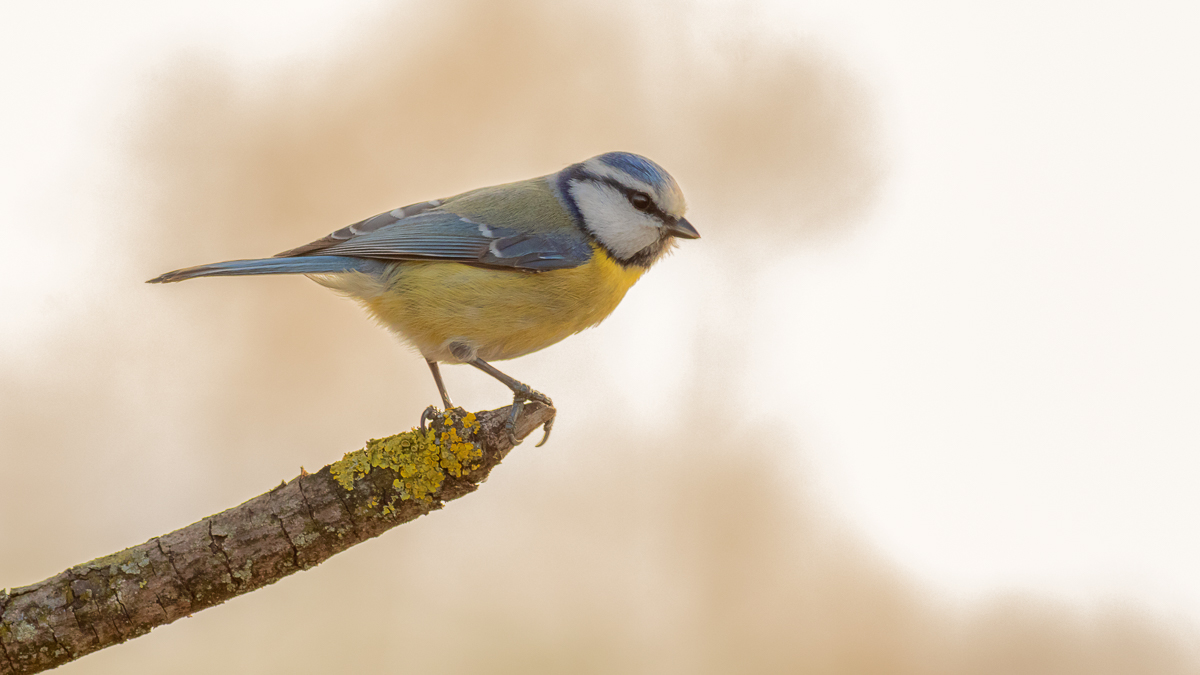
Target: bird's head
{"type": "Point", "coordinates": [630, 205]}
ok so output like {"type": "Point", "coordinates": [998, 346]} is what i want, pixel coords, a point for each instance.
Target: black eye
{"type": "Point", "coordinates": [641, 201]}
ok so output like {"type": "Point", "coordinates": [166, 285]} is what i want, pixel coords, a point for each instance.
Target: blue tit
{"type": "Point", "coordinates": [498, 272]}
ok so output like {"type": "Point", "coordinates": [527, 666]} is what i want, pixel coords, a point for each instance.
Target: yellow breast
{"type": "Point", "coordinates": [502, 314]}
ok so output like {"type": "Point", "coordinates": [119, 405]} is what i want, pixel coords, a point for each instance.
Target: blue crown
{"type": "Point", "coordinates": [637, 166]}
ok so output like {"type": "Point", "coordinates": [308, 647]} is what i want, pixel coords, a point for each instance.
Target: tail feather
{"type": "Point", "coordinates": [317, 264]}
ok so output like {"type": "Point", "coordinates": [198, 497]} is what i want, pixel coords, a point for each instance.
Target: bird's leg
{"type": "Point", "coordinates": [521, 393]}
{"type": "Point", "coordinates": [437, 378]}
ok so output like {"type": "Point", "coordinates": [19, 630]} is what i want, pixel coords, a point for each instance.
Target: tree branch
{"type": "Point", "coordinates": [293, 527]}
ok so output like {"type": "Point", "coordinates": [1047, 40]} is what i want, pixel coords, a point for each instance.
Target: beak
{"type": "Point", "coordinates": [683, 229]}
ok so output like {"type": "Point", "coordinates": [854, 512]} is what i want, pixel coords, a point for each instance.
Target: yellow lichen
{"type": "Point", "coordinates": [421, 458]}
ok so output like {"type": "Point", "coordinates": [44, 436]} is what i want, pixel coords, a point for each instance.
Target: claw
{"type": "Point", "coordinates": [430, 414]}
{"type": "Point", "coordinates": [545, 432]}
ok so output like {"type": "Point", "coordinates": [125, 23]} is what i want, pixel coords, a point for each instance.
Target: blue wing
{"type": "Point", "coordinates": [425, 232]}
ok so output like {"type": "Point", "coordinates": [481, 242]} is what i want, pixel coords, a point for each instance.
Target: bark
{"type": "Point", "coordinates": [295, 526]}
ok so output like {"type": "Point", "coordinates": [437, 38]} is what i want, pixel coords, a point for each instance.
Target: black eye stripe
{"type": "Point", "coordinates": [630, 193]}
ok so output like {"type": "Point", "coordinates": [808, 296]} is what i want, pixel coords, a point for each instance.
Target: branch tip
{"type": "Point", "coordinates": [257, 543]}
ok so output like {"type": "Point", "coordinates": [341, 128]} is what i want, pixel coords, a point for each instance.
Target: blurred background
{"type": "Point", "coordinates": [922, 400]}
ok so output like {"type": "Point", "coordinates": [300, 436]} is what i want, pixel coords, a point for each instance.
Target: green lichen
{"type": "Point", "coordinates": [423, 459]}
{"type": "Point", "coordinates": [131, 561]}
{"type": "Point", "coordinates": [243, 575]}
{"type": "Point", "coordinates": [305, 538]}
{"type": "Point", "coordinates": [23, 630]}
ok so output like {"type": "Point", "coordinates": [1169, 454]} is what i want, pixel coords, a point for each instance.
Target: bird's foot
{"type": "Point", "coordinates": [522, 394]}
{"type": "Point", "coordinates": [428, 415]}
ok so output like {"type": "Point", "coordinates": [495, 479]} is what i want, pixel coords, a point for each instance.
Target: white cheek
{"type": "Point", "coordinates": [610, 217]}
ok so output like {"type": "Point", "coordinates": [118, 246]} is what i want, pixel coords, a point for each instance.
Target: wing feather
{"type": "Point", "coordinates": [426, 232]}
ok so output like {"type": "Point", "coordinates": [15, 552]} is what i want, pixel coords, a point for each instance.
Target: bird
{"type": "Point", "coordinates": [497, 272]}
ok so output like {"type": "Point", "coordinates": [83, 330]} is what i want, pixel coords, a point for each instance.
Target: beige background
{"type": "Point", "coordinates": [921, 400]}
